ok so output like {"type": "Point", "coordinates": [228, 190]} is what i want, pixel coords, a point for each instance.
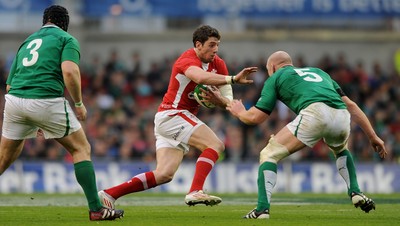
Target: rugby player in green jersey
{"type": "Point", "coordinates": [45, 64]}
{"type": "Point", "coordinates": [323, 112]}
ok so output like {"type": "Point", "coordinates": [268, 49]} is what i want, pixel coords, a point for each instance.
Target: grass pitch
{"type": "Point", "coordinates": [169, 209]}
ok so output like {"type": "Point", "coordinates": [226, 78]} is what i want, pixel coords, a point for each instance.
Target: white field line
{"type": "Point", "coordinates": [131, 200]}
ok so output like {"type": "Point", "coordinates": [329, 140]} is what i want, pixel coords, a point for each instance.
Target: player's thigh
{"type": "Point", "coordinates": [203, 137]}
{"type": "Point", "coordinates": [9, 152]}
{"type": "Point", "coordinates": [287, 139]}
{"type": "Point", "coordinates": [168, 160]}
{"type": "Point", "coordinates": [77, 144]}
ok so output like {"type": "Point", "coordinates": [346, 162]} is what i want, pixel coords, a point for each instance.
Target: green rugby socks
{"type": "Point", "coordinates": [267, 174]}
{"type": "Point", "coordinates": [86, 177]}
{"type": "Point", "coordinates": [346, 168]}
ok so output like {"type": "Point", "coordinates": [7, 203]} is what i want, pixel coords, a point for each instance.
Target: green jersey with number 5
{"type": "Point", "coordinates": [299, 87]}
{"type": "Point", "coordinates": [36, 69]}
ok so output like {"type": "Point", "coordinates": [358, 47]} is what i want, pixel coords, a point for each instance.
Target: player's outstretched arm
{"type": "Point", "coordinates": [199, 76]}
{"type": "Point", "coordinates": [362, 120]}
{"type": "Point", "coordinates": [252, 116]}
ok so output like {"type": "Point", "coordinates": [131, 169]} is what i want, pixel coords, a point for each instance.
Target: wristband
{"type": "Point", "coordinates": [79, 104]}
{"type": "Point", "coordinates": [233, 79]}
{"type": "Point", "coordinates": [229, 79]}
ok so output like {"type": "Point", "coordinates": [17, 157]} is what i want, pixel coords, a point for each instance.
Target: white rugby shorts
{"type": "Point", "coordinates": [24, 117]}
{"type": "Point", "coordinates": [173, 128]}
{"type": "Point", "coordinates": [319, 121]}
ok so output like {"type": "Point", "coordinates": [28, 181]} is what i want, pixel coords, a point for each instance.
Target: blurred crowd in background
{"type": "Point", "coordinates": [121, 99]}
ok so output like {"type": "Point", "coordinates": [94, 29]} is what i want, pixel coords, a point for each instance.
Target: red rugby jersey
{"type": "Point", "coordinates": [180, 89]}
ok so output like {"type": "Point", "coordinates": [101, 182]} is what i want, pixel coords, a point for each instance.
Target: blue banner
{"type": "Point", "coordinates": [53, 177]}
{"type": "Point", "coordinates": [245, 8]}
{"type": "Point", "coordinates": [25, 6]}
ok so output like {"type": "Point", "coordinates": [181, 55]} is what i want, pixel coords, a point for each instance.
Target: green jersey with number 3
{"type": "Point", "coordinates": [36, 69]}
{"type": "Point", "coordinates": [299, 87]}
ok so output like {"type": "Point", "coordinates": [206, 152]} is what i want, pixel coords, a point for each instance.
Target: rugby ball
{"type": "Point", "coordinates": [196, 93]}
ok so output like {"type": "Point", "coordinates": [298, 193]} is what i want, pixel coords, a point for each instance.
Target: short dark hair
{"type": "Point", "coordinates": [203, 33]}
{"type": "Point", "coordinates": [57, 15]}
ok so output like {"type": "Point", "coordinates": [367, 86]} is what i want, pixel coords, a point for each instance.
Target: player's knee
{"type": "Point", "coordinates": [337, 150]}
{"type": "Point", "coordinates": [219, 146]}
{"type": "Point", "coordinates": [273, 152]}
{"type": "Point", "coordinates": [216, 145]}
{"type": "Point", "coordinates": [83, 150]}
{"type": "Point", "coordinates": [86, 148]}
{"type": "Point", "coordinates": [164, 177]}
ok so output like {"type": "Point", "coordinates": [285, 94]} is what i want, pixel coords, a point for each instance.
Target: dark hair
{"type": "Point", "coordinates": [203, 33]}
{"type": "Point", "coordinates": [57, 15]}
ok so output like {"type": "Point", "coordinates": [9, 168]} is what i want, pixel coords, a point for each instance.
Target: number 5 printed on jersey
{"type": "Point", "coordinates": [34, 45]}
{"type": "Point", "coordinates": [308, 75]}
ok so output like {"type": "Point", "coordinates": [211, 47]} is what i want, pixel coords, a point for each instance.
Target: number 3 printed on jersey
{"type": "Point", "coordinates": [33, 46]}
{"type": "Point", "coordinates": [308, 75]}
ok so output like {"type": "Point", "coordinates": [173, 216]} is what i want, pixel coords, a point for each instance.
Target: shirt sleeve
{"type": "Point", "coordinates": [183, 63]}
{"type": "Point", "coordinates": [268, 98]}
{"type": "Point", "coordinates": [71, 51]}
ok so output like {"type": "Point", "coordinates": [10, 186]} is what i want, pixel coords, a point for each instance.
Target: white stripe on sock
{"type": "Point", "coordinates": [206, 160]}
{"type": "Point", "coordinates": [142, 177]}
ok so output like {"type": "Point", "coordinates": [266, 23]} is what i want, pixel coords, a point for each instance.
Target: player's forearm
{"type": "Point", "coordinates": [253, 116]}
{"type": "Point", "coordinates": [363, 122]}
{"type": "Point", "coordinates": [226, 95]}
{"type": "Point", "coordinates": [223, 102]}
{"type": "Point", "coordinates": [74, 89]}
{"type": "Point", "coordinates": [73, 85]}
{"type": "Point", "coordinates": [72, 80]}
{"type": "Point", "coordinates": [361, 119]}
{"type": "Point", "coordinates": [200, 76]}
{"type": "Point", "coordinates": [247, 118]}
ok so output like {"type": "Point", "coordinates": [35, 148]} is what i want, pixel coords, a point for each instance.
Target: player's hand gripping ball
{"type": "Point", "coordinates": [199, 99]}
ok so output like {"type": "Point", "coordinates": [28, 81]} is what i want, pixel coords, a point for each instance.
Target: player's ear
{"type": "Point", "coordinates": [198, 44]}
